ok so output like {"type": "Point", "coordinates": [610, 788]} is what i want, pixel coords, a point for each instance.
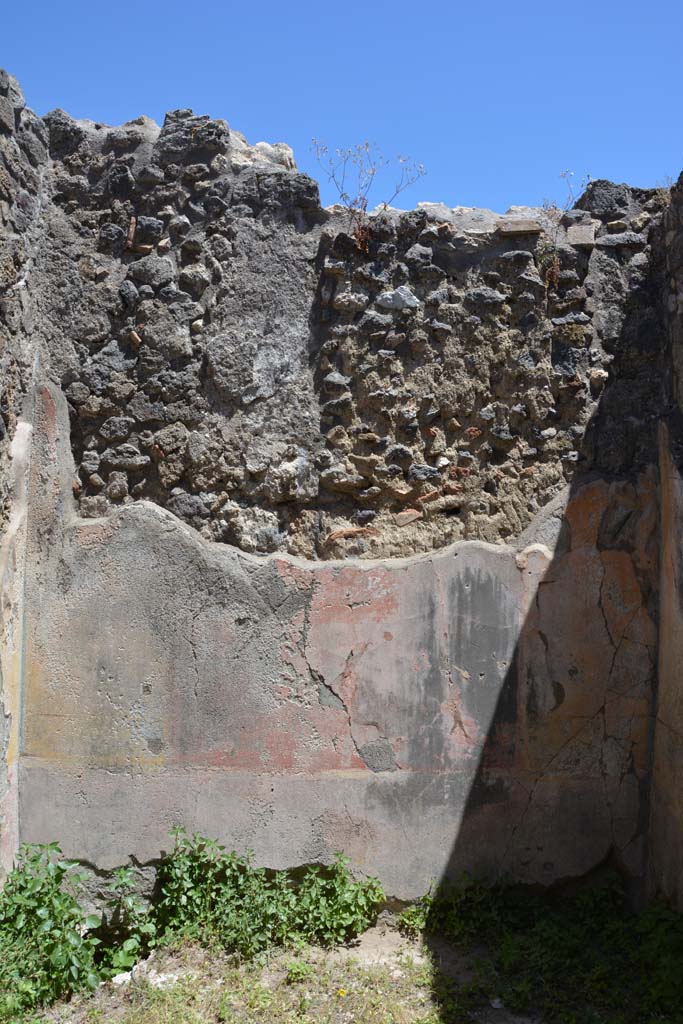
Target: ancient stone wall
{"type": "Point", "coordinates": [230, 353]}
{"type": "Point", "coordinates": [328, 541]}
{"type": "Point", "coordinates": [23, 169]}
{"type": "Point", "coordinates": [666, 824]}
{"type": "Point", "coordinates": [479, 707]}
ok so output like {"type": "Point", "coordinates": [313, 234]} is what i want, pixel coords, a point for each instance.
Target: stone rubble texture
{"type": "Point", "coordinates": [228, 353]}
{"type": "Point", "coordinates": [316, 543]}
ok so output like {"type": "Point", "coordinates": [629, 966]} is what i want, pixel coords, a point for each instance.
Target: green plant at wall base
{"type": "Point", "coordinates": [46, 950]}
{"type": "Point", "coordinates": [132, 929]}
{"type": "Point", "coordinates": [49, 948]}
{"type": "Point", "coordinates": [206, 892]}
{"type": "Point", "coordinates": [580, 959]}
{"type": "Point", "coordinates": [584, 958]}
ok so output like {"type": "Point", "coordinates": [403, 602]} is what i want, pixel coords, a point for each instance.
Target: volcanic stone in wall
{"type": "Point", "coordinates": [470, 370]}
{"type": "Point", "coordinates": [230, 351]}
{"type": "Point", "coordinates": [23, 156]}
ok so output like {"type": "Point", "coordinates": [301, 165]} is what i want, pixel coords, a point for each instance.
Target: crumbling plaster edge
{"type": "Point", "coordinates": [13, 555]}
{"type": "Point", "coordinates": [153, 514]}
{"type": "Point", "coordinates": [54, 470]}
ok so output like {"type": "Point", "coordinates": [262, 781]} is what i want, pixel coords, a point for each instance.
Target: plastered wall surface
{"type": "Point", "coordinates": [425, 715]}
{"type": "Point", "coordinates": [666, 825]}
{"type": "Point", "coordinates": [666, 835]}
{"type": "Point", "coordinates": [314, 545]}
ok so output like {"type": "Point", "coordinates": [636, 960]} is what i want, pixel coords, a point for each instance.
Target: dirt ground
{"type": "Point", "coordinates": [383, 978]}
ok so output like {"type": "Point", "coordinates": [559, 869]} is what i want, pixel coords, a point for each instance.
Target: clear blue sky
{"type": "Point", "coordinates": [495, 98]}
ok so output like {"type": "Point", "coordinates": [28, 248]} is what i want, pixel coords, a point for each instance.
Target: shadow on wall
{"type": "Point", "coordinates": [563, 776]}
{"type": "Point", "coordinates": [303, 708]}
{"type": "Point", "coordinates": [563, 780]}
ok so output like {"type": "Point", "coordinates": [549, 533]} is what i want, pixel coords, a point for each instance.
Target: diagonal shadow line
{"type": "Point", "coordinates": [562, 783]}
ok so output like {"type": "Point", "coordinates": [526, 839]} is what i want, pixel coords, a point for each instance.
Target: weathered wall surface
{"type": "Point", "coordinates": [324, 545]}
{"type": "Point", "coordinates": [23, 160]}
{"type": "Point", "coordinates": [426, 715]}
{"type": "Point", "coordinates": [230, 353]}
{"type": "Point", "coordinates": [666, 825]}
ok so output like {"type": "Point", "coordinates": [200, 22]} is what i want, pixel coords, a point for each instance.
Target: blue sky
{"type": "Point", "coordinates": [495, 98]}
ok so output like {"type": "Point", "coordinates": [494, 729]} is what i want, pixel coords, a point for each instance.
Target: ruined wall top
{"type": "Point", "coordinates": [232, 352]}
